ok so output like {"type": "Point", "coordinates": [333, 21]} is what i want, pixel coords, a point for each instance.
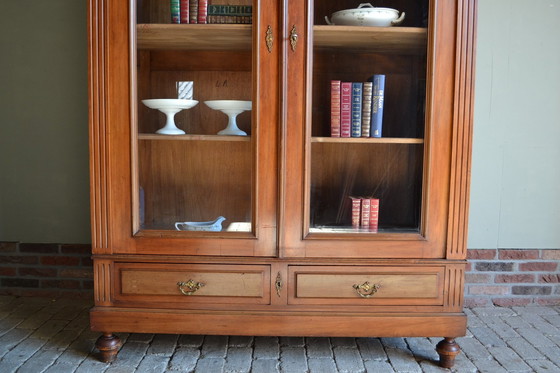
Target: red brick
{"type": "Point", "coordinates": [539, 266]}
{"type": "Point", "coordinates": [7, 271]}
{"type": "Point", "coordinates": [488, 290]}
{"type": "Point", "coordinates": [481, 254]}
{"type": "Point", "coordinates": [87, 284]}
{"type": "Point", "coordinates": [76, 273]}
{"type": "Point", "coordinates": [38, 248]}
{"type": "Point", "coordinates": [531, 290]}
{"type": "Point", "coordinates": [8, 247]}
{"type": "Point", "coordinates": [60, 260]}
{"type": "Point", "coordinates": [477, 278]}
{"type": "Point", "coordinates": [548, 301]}
{"type": "Point", "coordinates": [468, 267]}
{"type": "Point", "coordinates": [553, 278]}
{"type": "Point", "coordinates": [476, 302]}
{"type": "Point", "coordinates": [87, 262]}
{"type": "Point", "coordinates": [518, 254]}
{"type": "Point", "coordinates": [76, 249]}
{"type": "Point", "coordinates": [19, 283]}
{"type": "Point", "coordinates": [551, 254]}
{"type": "Point", "coordinates": [18, 259]}
{"type": "Point", "coordinates": [517, 278]}
{"type": "Point", "coordinates": [511, 302]}
{"type": "Point", "coordinates": [38, 272]}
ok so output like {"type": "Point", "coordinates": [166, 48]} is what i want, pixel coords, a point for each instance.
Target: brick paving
{"type": "Point", "coordinates": [43, 335]}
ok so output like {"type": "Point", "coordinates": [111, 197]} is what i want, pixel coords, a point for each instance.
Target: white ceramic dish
{"type": "Point", "coordinates": [170, 107]}
{"type": "Point", "coordinates": [232, 108]}
{"type": "Point", "coordinates": [208, 226]}
{"type": "Point", "coordinates": [366, 15]}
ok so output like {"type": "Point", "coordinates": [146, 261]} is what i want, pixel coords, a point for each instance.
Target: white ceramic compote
{"type": "Point", "coordinates": [232, 108]}
{"type": "Point", "coordinates": [170, 107]}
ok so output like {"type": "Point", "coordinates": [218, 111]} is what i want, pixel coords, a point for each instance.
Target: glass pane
{"type": "Point", "coordinates": [194, 81]}
{"type": "Point", "coordinates": [368, 117]}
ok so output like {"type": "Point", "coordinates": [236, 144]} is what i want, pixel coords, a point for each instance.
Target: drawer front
{"type": "Point", "coordinates": [343, 285]}
{"type": "Point", "coordinates": [196, 283]}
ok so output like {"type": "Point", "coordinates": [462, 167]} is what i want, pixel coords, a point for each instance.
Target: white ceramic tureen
{"type": "Point", "coordinates": [366, 15]}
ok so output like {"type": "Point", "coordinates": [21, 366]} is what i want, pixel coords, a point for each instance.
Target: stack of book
{"type": "Point", "coordinates": [199, 11]}
{"type": "Point", "coordinates": [357, 107]}
{"type": "Point", "coordinates": [365, 213]}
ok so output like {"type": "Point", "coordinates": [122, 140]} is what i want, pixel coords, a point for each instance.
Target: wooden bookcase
{"type": "Point", "coordinates": [287, 261]}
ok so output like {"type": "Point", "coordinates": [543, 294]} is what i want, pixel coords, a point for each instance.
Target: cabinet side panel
{"type": "Point", "coordinates": [97, 126]}
{"type": "Point", "coordinates": [462, 130]}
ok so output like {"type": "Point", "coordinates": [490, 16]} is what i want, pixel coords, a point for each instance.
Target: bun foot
{"type": "Point", "coordinates": [108, 345]}
{"type": "Point", "coordinates": [447, 350]}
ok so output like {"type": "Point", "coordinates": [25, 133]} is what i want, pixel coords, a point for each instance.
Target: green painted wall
{"type": "Point", "coordinates": [44, 181]}
{"type": "Point", "coordinates": [515, 191]}
{"type": "Point", "coordinates": [515, 199]}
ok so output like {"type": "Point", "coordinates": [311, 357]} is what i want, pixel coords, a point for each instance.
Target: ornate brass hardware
{"type": "Point", "coordinates": [189, 287]}
{"type": "Point", "coordinates": [278, 284]}
{"type": "Point", "coordinates": [293, 38]}
{"type": "Point", "coordinates": [366, 290]}
{"type": "Point", "coordinates": [269, 38]}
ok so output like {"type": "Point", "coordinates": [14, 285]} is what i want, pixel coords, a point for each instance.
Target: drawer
{"type": "Point", "coordinates": [192, 283]}
{"type": "Point", "coordinates": [366, 285]}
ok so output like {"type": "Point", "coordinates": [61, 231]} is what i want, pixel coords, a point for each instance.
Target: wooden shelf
{"type": "Point", "coordinates": [367, 140]}
{"type": "Point", "coordinates": [193, 37]}
{"type": "Point", "coordinates": [155, 136]}
{"type": "Point", "coordinates": [408, 40]}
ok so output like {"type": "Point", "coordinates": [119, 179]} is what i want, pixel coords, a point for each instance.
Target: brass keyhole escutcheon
{"type": "Point", "coordinates": [189, 287]}
{"type": "Point", "coordinates": [366, 290]}
{"type": "Point", "coordinates": [269, 39]}
{"type": "Point", "coordinates": [293, 38]}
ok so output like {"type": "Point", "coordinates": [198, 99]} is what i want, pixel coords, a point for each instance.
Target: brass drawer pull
{"type": "Point", "coordinates": [293, 38]}
{"type": "Point", "coordinates": [366, 290]}
{"type": "Point", "coordinates": [189, 287]}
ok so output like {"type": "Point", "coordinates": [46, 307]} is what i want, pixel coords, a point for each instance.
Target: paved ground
{"type": "Point", "coordinates": [43, 335]}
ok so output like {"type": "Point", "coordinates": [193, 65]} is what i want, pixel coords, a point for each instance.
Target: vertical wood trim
{"type": "Point", "coordinates": [99, 184]}
{"type": "Point", "coordinates": [462, 130]}
{"type": "Point", "coordinates": [102, 274]}
{"type": "Point", "coordinates": [453, 288]}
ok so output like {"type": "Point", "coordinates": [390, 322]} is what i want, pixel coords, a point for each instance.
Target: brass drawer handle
{"type": "Point", "coordinates": [366, 290]}
{"type": "Point", "coordinates": [189, 287]}
{"type": "Point", "coordinates": [293, 38]}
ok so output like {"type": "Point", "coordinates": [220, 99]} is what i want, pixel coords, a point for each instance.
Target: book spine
{"type": "Point", "coordinates": [345, 108]}
{"type": "Point", "coordinates": [335, 108]}
{"type": "Point", "coordinates": [377, 105]}
{"type": "Point", "coordinates": [364, 218]}
{"type": "Point", "coordinates": [366, 108]}
{"type": "Point", "coordinates": [184, 11]}
{"type": "Point", "coordinates": [374, 215]}
{"type": "Point", "coordinates": [231, 10]}
{"type": "Point", "coordinates": [356, 211]}
{"type": "Point", "coordinates": [202, 11]}
{"type": "Point", "coordinates": [175, 11]}
{"type": "Point", "coordinates": [357, 109]}
{"type": "Point", "coordinates": [193, 11]}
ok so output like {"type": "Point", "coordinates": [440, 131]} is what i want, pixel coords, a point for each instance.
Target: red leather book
{"type": "Point", "coordinates": [193, 11]}
{"type": "Point", "coordinates": [202, 11]}
{"type": "Point", "coordinates": [335, 108]}
{"type": "Point", "coordinates": [345, 109]}
{"type": "Point", "coordinates": [374, 215]}
{"type": "Point", "coordinates": [356, 211]}
{"type": "Point", "coordinates": [184, 5]}
{"type": "Point", "coordinates": [364, 218]}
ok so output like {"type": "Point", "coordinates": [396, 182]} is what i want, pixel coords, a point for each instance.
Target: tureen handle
{"type": "Point", "coordinates": [328, 22]}
{"type": "Point", "coordinates": [365, 5]}
{"type": "Point", "coordinates": [398, 20]}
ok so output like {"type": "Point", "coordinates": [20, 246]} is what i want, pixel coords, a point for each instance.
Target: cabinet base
{"type": "Point", "coordinates": [255, 323]}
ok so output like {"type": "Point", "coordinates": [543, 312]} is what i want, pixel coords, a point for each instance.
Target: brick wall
{"type": "Point", "coordinates": [512, 277]}
{"type": "Point", "coordinates": [502, 277]}
{"type": "Point", "coordinates": [50, 270]}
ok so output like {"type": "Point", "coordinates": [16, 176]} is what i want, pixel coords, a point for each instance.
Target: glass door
{"type": "Point", "coordinates": [367, 117]}
{"type": "Point", "coordinates": [197, 120]}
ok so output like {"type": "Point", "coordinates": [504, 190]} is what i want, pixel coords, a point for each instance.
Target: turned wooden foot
{"type": "Point", "coordinates": [108, 345]}
{"type": "Point", "coordinates": [447, 350]}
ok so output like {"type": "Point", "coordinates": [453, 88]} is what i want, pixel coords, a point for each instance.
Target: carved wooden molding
{"type": "Point", "coordinates": [102, 274]}
{"type": "Point", "coordinates": [453, 288]}
{"type": "Point", "coordinates": [98, 141]}
{"type": "Point", "coordinates": [462, 129]}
